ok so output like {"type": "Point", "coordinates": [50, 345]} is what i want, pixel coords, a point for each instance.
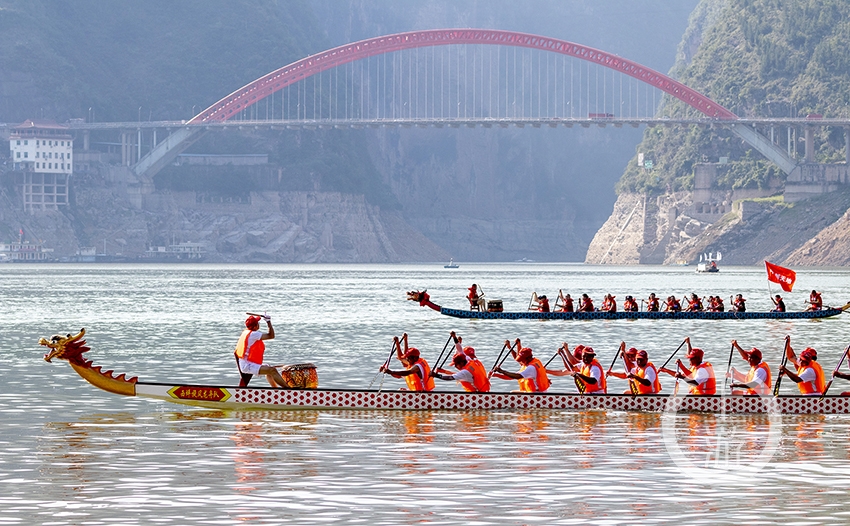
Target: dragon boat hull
{"type": "Point", "coordinates": [600, 315]}
{"type": "Point", "coordinates": [267, 398]}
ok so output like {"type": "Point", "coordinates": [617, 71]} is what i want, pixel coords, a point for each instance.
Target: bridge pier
{"type": "Point", "coordinates": [810, 144]}
{"type": "Point", "coordinates": [847, 146]}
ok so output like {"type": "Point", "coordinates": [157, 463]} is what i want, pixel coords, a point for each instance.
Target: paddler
{"type": "Point", "coordinates": [417, 373]}
{"type": "Point", "coordinates": [566, 302]}
{"type": "Point", "coordinates": [471, 374]}
{"type": "Point", "coordinates": [532, 375]}
{"type": "Point", "coordinates": [629, 357]}
{"type": "Point", "coordinates": [589, 373]}
{"type": "Point", "coordinates": [695, 303]}
{"type": "Point", "coordinates": [809, 376]}
{"type": "Point", "coordinates": [652, 303]}
{"type": "Point", "coordinates": [585, 304]}
{"type": "Point", "coordinates": [700, 376]}
{"type": "Point", "coordinates": [644, 374]}
{"type": "Point", "coordinates": [249, 352]}
{"type": "Point", "coordinates": [815, 301]}
{"type": "Point", "coordinates": [757, 381]}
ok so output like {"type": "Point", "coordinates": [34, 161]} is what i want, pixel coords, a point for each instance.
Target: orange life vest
{"type": "Point", "coordinates": [254, 354]}
{"type": "Point", "coordinates": [643, 389]}
{"type": "Point", "coordinates": [708, 387]}
{"type": "Point", "coordinates": [414, 383]}
{"type": "Point", "coordinates": [764, 388]}
{"type": "Point", "coordinates": [600, 385]}
{"type": "Point", "coordinates": [815, 387]}
{"type": "Point", "coordinates": [527, 385]}
{"type": "Point", "coordinates": [480, 383]}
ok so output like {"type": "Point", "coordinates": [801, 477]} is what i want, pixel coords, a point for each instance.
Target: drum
{"type": "Point", "coordinates": [494, 306]}
{"type": "Point", "coordinates": [300, 375]}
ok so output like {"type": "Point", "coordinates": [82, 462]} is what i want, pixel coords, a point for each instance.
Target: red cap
{"type": "Point", "coordinates": [469, 351]}
{"type": "Point", "coordinates": [412, 354]}
{"type": "Point", "coordinates": [755, 354]}
{"type": "Point", "coordinates": [631, 350]}
{"type": "Point", "coordinates": [459, 361]}
{"type": "Point", "coordinates": [577, 351]}
{"type": "Point", "coordinates": [695, 353]}
{"type": "Point", "coordinates": [809, 354]}
{"type": "Point", "coordinates": [524, 354]}
{"type": "Point", "coordinates": [253, 322]}
{"type": "Point", "coordinates": [642, 353]}
{"type": "Point", "coordinates": [589, 350]}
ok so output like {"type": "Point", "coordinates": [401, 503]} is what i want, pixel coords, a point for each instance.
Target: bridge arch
{"type": "Point", "coordinates": [248, 95]}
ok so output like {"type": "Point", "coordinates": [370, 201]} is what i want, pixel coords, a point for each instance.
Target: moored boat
{"type": "Point", "coordinates": [71, 348]}
{"type": "Point", "coordinates": [424, 300]}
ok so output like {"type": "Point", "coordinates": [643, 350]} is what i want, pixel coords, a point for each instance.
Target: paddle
{"type": "Point", "coordinates": [837, 367]}
{"type": "Point", "coordinates": [676, 387]}
{"type": "Point", "coordinates": [386, 364]}
{"type": "Point", "coordinates": [553, 357]}
{"type": "Point", "coordinates": [728, 367]}
{"type": "Point", "coordinates": [782, 364]}
{"type": "Point", "coordinates": [499, 359]}
{"type": "Point", "coordinates": [632, 383]}
{"type": "Point", "coordinates": [440, 358]}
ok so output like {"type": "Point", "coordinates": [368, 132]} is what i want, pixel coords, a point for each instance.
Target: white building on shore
{"type": "Point", "coordinates": [41, 153]}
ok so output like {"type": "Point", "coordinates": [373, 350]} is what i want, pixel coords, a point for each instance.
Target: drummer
{"type": "Point", "coordinates": [249, 352]}
{"type": "Point", "coordinates": [417, 373]}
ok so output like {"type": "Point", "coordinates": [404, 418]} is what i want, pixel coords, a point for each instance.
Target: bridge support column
{"type": "Point", "coordinates": [810, 144]}
{"type": "Point", "coordinates": [847, 146]}
{"type": "Point", "coordinates": [138, 146]}
{"type": "Point", "coordinates": [86, 140]}
{"type": "Point", "coordinates": [124, 159]}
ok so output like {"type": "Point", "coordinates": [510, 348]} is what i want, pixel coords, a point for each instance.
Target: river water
{"type": "Point", "coordinates": [72, 454]}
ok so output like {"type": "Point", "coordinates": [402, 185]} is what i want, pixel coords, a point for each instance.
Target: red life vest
{"type": "Point", "coordinates": [414, 383]}
{"type": "Point", "coordinates": [480, 382]}
{"type": "Point", "coordinates": [600, 385]}
{"type": "Point", "coordinates": [815, 387]}
{"type": "Point", "coordinates": [641, 373]}
{"type": "Point", "coordinates": [764, 388]}
{"type": "Point", "coordinates": [254, 354]}
{"type": "Point", "coordinates": [652, 305]}
{"type": "Point", "coordinates": [708, 387]}
{"type": "Point", "coordinates": [568, 305]}
{"type": "Point", "coordinates": [527, 385]}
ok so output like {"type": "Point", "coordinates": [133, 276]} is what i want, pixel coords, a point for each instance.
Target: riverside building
{"type": "Point", "coordinates": [41, 153]}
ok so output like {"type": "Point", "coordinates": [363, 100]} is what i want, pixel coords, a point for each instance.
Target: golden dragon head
{"type": "Point", "coordinates": [66, 347]}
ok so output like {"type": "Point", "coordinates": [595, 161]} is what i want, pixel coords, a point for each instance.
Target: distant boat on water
{"type": "Point", "coordinates": [451, 264]}
{"type": "Point", "coordinates": [708, 263]}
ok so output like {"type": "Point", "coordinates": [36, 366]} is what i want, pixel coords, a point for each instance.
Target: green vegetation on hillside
{"type": "Point", "coordinates": [759, 58]}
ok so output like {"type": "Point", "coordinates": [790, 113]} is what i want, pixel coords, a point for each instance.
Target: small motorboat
{"type": "Point", "coordinates": [708, 263]}
{"type": "Point", "coordinates": [451, 264]}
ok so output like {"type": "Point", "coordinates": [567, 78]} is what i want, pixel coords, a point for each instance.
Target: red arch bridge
{"type": "Point", "coordinates": [457, 77]}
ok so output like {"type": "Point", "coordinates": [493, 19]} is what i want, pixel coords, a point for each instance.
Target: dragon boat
{"type": "Point", "coordinates": [304, 394]}
{"type": "Point", "coordinates": [424, 300]}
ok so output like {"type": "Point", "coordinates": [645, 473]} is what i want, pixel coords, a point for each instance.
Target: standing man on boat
{"type": "Point", "coordinates": [700, 376]}
{"type": "Point", "coordinates": [809, 376]}
{"type": "Point", "coordinates": [417, 373]}
{"type": "Point", "coordinates": [249, 352]}
{"type": "Point", "coordinates": [757, 381]}
{"type": "Point", "coordinates": [532, 375]}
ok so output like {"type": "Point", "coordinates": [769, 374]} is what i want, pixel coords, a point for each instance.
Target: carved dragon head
{"type": "Point", "coordinates": [416, 295]}
{"type": "Point", "coordinates": [66, 347]}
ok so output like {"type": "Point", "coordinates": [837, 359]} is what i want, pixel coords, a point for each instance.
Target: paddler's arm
{"type": "Point", "coordinates": [401, 374]}
{"type": "Point", "coordinates": [838, 374]}
{"type": "Point", "coordinates": [617, 374]}
{"type": "Point", "coordinates": [506, 375]}
{"type": "Point", "coordinates": [638, 379]}
{"type": "Point", "coordinates": [741, 351]}
{"type": "Point", "coordinates": [787, 372]}
{"type": "Point", "coordinates": [268, 335]}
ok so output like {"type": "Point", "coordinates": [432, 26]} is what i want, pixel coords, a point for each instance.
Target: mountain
{"type": "Point", "coordinates": [708, 190]}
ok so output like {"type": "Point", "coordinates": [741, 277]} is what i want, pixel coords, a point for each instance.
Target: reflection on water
{"type": "Point", "coordinates": [73, 455]}
{"type": "Point", "coordinates": [390, 467]}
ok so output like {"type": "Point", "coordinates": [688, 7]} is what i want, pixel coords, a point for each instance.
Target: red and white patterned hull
{"type": "Point", "coordinates": [289, 399]}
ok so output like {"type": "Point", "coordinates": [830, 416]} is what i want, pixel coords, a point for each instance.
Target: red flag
{"type": "Point", "coordinates": [784, 276]}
